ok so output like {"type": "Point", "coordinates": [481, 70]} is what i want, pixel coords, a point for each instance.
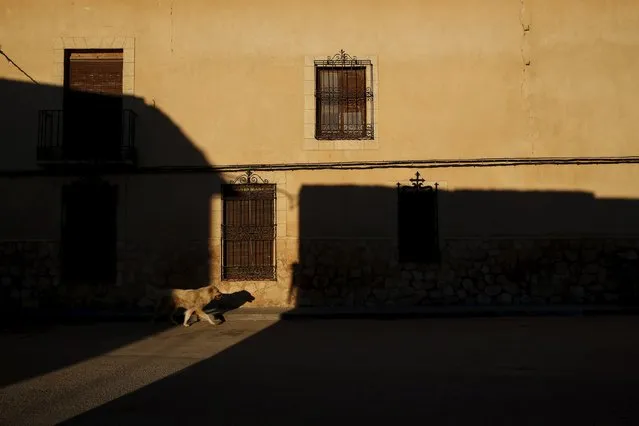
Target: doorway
{"type": "Point", "coordinates": [89, 232]}
{"type": "Point", "coordinates": [93, 104]}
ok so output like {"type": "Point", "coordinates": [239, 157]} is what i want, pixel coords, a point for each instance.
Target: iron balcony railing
{"type": "Point", "coordinates": [86, 136]}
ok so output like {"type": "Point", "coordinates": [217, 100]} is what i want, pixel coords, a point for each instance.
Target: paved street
{"type": "Point", "coordinates": [499, 371]}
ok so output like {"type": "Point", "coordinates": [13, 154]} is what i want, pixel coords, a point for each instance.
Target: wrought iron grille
{"type": "Point", "coordinates": [343, 98]}
{"type": "Point", "coordinates": [417, 221]}
{"type": "Point", "coordinates": [248, 229]}
{"type": "Point", "coordinates": [67, 137]}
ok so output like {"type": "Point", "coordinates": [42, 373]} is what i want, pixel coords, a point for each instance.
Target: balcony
{"type": "Point", "coordinates": [86, 137]}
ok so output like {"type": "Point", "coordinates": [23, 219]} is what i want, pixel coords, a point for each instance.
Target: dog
{"type": "Point", "coordinates": [193, 301]}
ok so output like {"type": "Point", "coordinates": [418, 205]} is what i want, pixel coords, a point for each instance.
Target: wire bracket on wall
{"type": "Point", "coordinates": [249, 177]}
{"type": "Point", "coordinates": [17, 66]}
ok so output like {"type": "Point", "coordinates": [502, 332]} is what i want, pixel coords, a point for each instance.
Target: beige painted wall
{"type": "Point", "coordinates": [452, 76]}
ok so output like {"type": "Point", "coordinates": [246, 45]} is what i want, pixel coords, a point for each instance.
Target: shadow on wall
{"type": "Point", "coordinates": [79, 233]}
{"type": "Point", "coordinates": [123, 229]}
{"type": "Point", "coordinates": [495, 247]}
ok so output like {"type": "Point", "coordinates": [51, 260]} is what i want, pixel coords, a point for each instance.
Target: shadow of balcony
{"type": "Point", "coordinates": [73, 200]}
{"type": "Point", "coordinates": [87, 143]}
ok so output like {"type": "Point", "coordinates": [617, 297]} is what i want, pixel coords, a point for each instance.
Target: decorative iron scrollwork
{"type": "Point", "coordinates": [417, 184]}
{"type": "Point", "coordinates": [249, 273]}
{"type": "Point", "coordinates": [342, 59]}
{"type": "Point", "coordinates": [248, 233]}
{"type": "Point", "coordinates": [348, 97]}
{"type": "Point", "coordinates": [249, 177]}
{"type": "Point", "coordinates": [341, 56]}
{"type": "Point", "coordinates": [354, 132]}
{"type": "Point", "coordinates": [344, 98]}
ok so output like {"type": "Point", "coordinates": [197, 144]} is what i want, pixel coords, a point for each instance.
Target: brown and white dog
{"type": "Point", "coordinates": [192, 300]}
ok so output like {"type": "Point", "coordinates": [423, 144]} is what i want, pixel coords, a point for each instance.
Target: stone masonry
{"type": "Point", "coordinates": [471, 272]}
{"type": "Point", "coordinates": [29, 273]}
{"type": "Point", "coordinates": [347, 273]}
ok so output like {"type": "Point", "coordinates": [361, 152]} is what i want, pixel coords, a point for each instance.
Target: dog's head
{"type": "Point", "coordinates": [215, 293]}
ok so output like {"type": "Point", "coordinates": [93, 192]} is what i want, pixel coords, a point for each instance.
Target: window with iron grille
{"type": "Point", "coordinates": [248, 231]}
{"type": "Point", "coordinates": [343, 98]}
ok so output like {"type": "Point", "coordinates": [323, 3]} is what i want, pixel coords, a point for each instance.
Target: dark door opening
{"type": "Point", "coordinates": [89, 232]}
{"type": "Point", "coordinates": [93, 104]}
{"type": "Point", "coordinates": [417, 221]}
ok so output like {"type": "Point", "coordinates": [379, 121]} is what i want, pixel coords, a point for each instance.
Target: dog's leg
{"type": "Point", "coordinates": [187, 315]}
{"type": "Point", "coordinates": [203, 315]}
{"type": "Point", "coordinates": [196, 318]}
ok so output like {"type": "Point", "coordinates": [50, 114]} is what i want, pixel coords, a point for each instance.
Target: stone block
{"type": "Point", "coordinates": [483, 299]}
{"type": "Point", "coordinates": [577, 292]}
{"type": "Point", "coordinates": [571, 255]}
{"type": "Point", "coordinates": [435, 294]}
{"type": "Point", "coordinates": [448, 291]}
{"type": "Point", "coordinates": [628, 255]}
{"type": "Point", "coordinates": [493, 290]}
{"type": "Point", "coordinates": [505, 299]}
{"type": "Point", "coordinates": [468, 284]}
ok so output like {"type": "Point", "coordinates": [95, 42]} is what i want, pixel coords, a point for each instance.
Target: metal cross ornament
{"type": "Point", "coordinates": [417, 181]}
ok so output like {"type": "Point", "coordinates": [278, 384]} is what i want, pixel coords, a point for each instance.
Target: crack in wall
{"type": "Point", "coordinates": [171, 12]}
{"type": "Point", "coordinates": [525, 78]}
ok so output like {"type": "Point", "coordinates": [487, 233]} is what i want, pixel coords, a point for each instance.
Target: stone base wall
{"type": "Point", "coordinates": [345, 273]}
{"type": "Point", "coordinates": [471, 272]}
{"type": "Point", "coordinates": [29, 273]}
{"type": "Point", "coordinates": [185, 265]}
{"type": "Point", "coordinates": [30, 276]}
{"type": "Point", "coordinates": [181, 265]}
{"type": "Point", "coordinates": [273, 293]}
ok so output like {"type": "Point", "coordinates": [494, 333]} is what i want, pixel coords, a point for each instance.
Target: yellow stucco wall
{"type": "Point", "coordinates": [452, 76]}
{"type": "Point", "coordinates": [462, 79]}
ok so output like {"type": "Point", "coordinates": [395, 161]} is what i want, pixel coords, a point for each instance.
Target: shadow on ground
{"type": "Point", "coordinates": [551, 371]}
{"type": "Point", "coordinates": [58, 350]}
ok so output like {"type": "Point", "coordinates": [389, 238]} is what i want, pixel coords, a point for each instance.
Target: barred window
{"type": "Point", "coordinates": [343, 99]}
{"type": "Point", "coordinates": [248, 232]}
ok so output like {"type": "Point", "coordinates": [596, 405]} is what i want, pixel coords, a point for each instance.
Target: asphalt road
{"type": "Point", "coordinates": [491, 371]}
